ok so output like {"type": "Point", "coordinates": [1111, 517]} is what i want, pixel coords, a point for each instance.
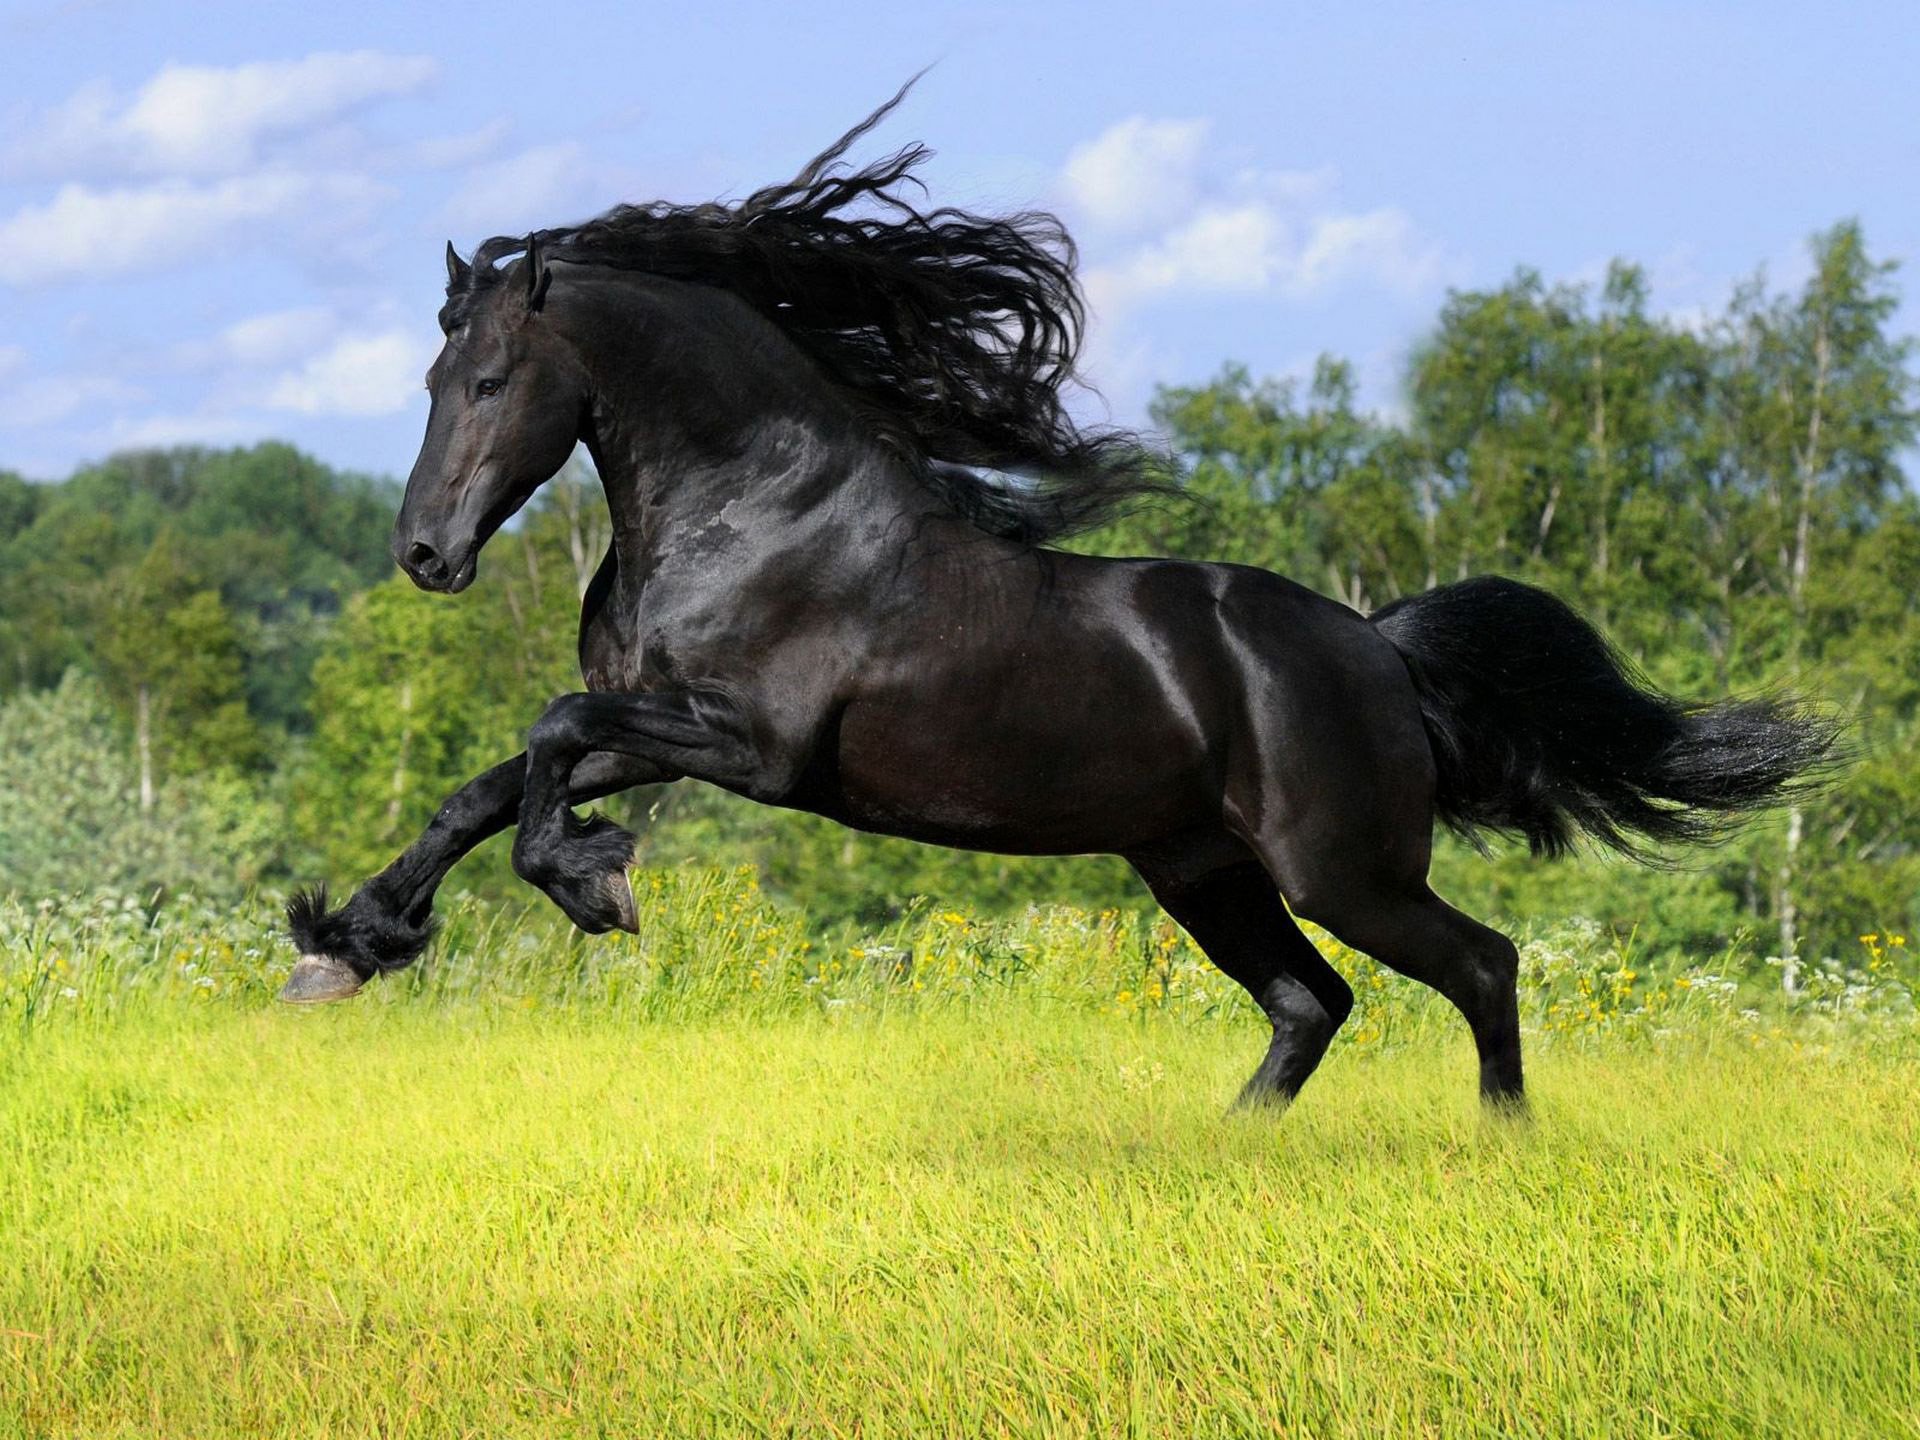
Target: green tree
{"type": "Point", "coordinates": [1297, 481]}
{"type": "Point", "coordinates": [1816, 408]}
{"type": "Point", "coordinates": [283, 539]}
{"type": "Point", "coordinates": [171, 655]}
{"type": "Point", "coordinates": [71, 822]}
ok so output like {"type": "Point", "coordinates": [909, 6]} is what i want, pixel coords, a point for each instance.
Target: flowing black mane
{"type": "Point", "coordinates": [957, 332]}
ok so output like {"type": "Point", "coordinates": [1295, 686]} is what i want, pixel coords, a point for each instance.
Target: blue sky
{"type": "Point", "coordinates": [223, 222]}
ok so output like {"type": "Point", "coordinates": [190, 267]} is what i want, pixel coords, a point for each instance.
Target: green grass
{"type": "Point", "coordinates": [459, 1209]}
{"type": "Point", "coordinates": [433, 1223]}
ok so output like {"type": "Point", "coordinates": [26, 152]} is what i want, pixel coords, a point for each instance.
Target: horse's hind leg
{"type": "Point", "coordinates": [1236, 916]}
{"type": "Point", "coordinates": [1415, 932]}
{"type": "Point", "coordinates": [1332, 787]}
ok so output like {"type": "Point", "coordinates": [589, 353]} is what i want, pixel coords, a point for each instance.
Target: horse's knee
{"type": "Point", "coordinates": [558, 728]}
{"type": "Point", "coordinates": [1336, 1002]}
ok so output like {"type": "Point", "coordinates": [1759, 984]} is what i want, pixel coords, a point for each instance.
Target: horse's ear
{"type": "Point", "coordinates": [457, 269]}
{"type": "Point", "coordinates": [537, 275]}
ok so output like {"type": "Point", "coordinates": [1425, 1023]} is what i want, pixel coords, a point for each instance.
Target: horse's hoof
{"type": "Point", "coordinates": [318, 979]}
{"type": "Point", "coordinates": [620, 891]}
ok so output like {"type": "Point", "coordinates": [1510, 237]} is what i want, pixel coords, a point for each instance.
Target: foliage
{"type": "Point", "coordinates": [72, 820]}
{"type": "Point", "coordinates": [280, 536]}
{"type": "Point", "coordinates": [713, 943]}
{"type": "Point", "coordinates": [1722, 492]}
{"type": "Point", "coordinates": [171, 655]}
{"type": "Point", "coordinates": [1311, 488]}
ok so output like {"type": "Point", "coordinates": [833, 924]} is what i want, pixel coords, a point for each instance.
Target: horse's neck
{"type": "Point", "coordinates": [713, 422]}
{"type": "Point", "coordinates": [785, 481]}
{"type": "Point", "coordinates": [728, 425]}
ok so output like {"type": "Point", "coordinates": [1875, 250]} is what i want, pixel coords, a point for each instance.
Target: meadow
{"type": "Point", "coordinates": [958, 1178]}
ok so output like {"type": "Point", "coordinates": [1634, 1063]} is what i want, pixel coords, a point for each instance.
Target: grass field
{"type": "Point", "coordinates": [546, 1190]}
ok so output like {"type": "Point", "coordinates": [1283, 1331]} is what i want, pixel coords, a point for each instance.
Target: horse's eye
{"type": "Point", "coordinates": [489, 387]}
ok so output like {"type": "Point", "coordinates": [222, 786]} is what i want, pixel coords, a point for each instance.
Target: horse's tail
{"type": "Point", "coordinates": [1540, 728]}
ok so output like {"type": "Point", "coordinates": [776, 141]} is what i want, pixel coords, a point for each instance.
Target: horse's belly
{"type": "Point", "coordinates": [1017, 792]}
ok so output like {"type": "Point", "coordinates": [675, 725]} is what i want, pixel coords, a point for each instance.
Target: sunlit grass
{"type": "Point", "coordinates": [494, 1207]}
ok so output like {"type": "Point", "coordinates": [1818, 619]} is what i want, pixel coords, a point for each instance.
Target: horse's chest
{"type": "Point", "coordinates": [612, 656]}
{"type": "Point", "coordinates": [651, 641]}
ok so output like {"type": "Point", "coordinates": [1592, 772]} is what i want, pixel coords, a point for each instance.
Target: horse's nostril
{"type": "Point", "coordinates": [423, 558]}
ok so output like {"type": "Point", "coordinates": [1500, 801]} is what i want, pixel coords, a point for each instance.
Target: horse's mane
{"type": "Point", "coordinates": [956, 332]}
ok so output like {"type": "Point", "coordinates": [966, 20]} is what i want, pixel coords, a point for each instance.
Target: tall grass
{"type": "Point", "coordinates": [952, 1179]}
{"type": "Point", "coordinates": [712, 944]}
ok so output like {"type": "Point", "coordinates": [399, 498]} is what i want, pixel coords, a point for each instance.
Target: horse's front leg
{"type": "Point", "coordinates": [389, 919]}
{"type": "Point", "coordinates": [582, 864]}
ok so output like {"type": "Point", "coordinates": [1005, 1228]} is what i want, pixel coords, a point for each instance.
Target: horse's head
{"type": "Point", "coordinates": [509, 395]}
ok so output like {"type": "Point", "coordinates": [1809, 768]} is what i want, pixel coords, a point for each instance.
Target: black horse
{"type": "Point", "coordinates": [830, 428]}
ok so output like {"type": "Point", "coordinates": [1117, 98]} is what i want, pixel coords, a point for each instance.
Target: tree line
{"type": "Point", "coordinates": [210, 675]}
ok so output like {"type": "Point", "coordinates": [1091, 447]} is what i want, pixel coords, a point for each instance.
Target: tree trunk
{"type": "Point", "coordinates": [398, 795]}
{"type": "Point", "coordinates": [143, 742]}
{"type": "Point", "coordinates": [1802, 565]}
{"type": "Point", "coordinates": [587, 537]}
{"type": "Point", "coordinates": [1603, 473]}
{"type": "Point", "coordinates": [1809, 472]}
{"type": "Point", "coordinates": [1546, 519]}
{"type": "Point", "coordinates": [1430, 520]}
{"type": "Point", "coordinates": [1788, 906]}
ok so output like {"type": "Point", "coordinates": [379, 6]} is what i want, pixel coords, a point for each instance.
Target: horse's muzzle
{"type": "Point", "coordinates": [431, 570]}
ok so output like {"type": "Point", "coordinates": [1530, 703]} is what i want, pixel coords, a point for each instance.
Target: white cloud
{"type": "Point", "coordinates": [1169, 219]}
{"type": "Point", "coordinates": [85, 232]}
{"type": "Point", "coordinates": [363, 374]}
{"type": "Point", "coordinates": [1144, 175]}
{"type": "Point", "coordinates": [1253, 249]}
{"type": "Point", "coordinates": [248, 377]}
{"type": "Point", "coordinates": [275, 338]}
{"type": "Point", "coordinates": [1137, 175]}
{"type": "Point", "coordinates": [1290, 189]}
{"type": "Point", "coordinates": [1255, 232]}
{"type": "Point", "coordinates": [1228, 250]}
{"type": "Point", "coordinates": [48, 399]}
{"type": "Point", "coordinates": [160, 431]}
{"type": "Point", "coordinates": [12, 358]}
{"type": "Point", "coordinates": [448, 152]}
{"type": "Point", "coordinates": [204, 121]}
{"type": "Point", "coordinates": [546, 185]}
{"type": "Point", "coordinates": [1380, 248]}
